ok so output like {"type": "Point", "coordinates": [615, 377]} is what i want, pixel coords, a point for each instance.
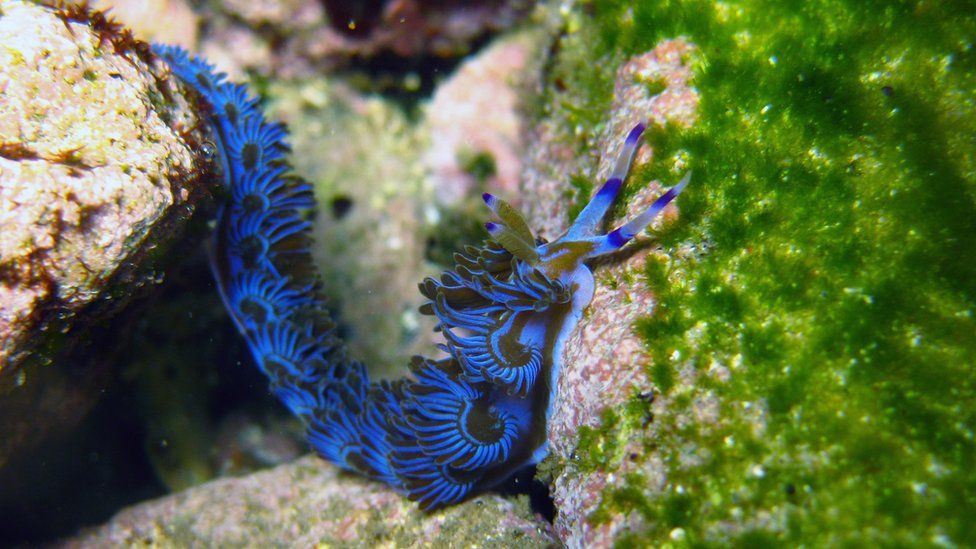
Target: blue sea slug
{"type": "Point", "coordinates": [464, 422]}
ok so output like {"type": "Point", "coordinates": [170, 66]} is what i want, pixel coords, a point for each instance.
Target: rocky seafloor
{"type": "Point", "coordinates": [785, 358]}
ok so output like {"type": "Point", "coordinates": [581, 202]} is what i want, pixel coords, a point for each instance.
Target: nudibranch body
{"type": "Point", "coordinates": [465, 421]}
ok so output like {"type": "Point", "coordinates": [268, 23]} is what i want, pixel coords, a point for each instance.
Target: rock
{"type": "Point", "coordinates": [604, 358]}
{"type": "Point", "coordinates": [470, 147]}
{"type": "Point", "coordinates": [314, 36]}
{"type": "Point", "coordinates": [309, 503]}
{"type": "Point", "coordinates": [99, 172]}
{"type": "Point", "coordinates": [301, 38]}
{"type": "Point", "coordinates": [164, 21]}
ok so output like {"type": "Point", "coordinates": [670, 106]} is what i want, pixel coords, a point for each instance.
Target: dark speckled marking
{"type": "Point", "coordinates": [250, 153]}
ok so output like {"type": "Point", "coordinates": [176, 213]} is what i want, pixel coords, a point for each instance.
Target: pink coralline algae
{"type": "Point", "coordinates": [605, 361]}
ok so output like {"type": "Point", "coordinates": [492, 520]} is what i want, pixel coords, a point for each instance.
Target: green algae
{"type": "Point", "coordinates": [833, 209]}
{"type": "Point", "coordinates": [479, 164]}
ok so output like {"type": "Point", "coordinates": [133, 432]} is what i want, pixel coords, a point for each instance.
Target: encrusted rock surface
{"type": "Point", "coordinates": [288, 38]}
{"type": "Point", "coordinates": [476, 112]}
{"type": "Point", "coordinates": [329, 34]}
{"type": "Point", "coordinates": [98, 174]}
{"type": "Point", "coordinates": [164, 21]}
{"type": "Point", "coordinates": [309, 503]}
{"type": "Point", "coordinates": [604, 359]}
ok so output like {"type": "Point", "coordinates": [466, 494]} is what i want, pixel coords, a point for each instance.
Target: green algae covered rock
{"type": "Point", "coordinates": [811, 337]}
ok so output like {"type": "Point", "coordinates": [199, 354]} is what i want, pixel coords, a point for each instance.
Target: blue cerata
{"type": "Point", "coordinates": [465, 422]}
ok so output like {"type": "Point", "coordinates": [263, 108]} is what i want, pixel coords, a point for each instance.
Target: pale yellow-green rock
{"type": "Point", "coordinates": [309, 503]}
{"type": "Point", "coordinates": [99, 172]}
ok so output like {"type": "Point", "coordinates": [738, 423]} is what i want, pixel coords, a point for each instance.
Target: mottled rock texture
{"type": "Point", "coordinates": [288, 38]}
{"type": "Point", "coordinates": [331, 34]}
{"type": "Point", "coordinates": [310, 504]}
{"type": "Point", "coordinates": [164, 21]}
{"type": "Point", "coordinates": [99, 172]}
{"type": "Point", "coordinates": [476, 133]}
{"type": "Point", "coordinates": [604, 359]}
